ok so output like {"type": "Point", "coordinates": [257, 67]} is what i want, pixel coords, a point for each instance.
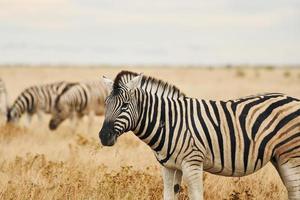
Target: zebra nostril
{"type": "Point", "coordinates": [176, 188]}
{"type": "Point", "coordinates": [52, 124]}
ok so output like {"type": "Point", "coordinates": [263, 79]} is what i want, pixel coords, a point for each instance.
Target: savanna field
{"type": "Point", "coordinates": [36, 163]}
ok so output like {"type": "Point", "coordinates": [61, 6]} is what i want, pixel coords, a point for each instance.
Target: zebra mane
{"type": "Point", "coordinates": [123, 77]}
{"type": "Point", "coordinates": [57, 99]}
{"type": "Point", "coordinates": [149, 83]}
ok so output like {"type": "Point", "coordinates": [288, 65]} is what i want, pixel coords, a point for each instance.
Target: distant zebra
{"type": "Point", "coordinates": [36, 99]}
{"type": "Point", "coordinates": [85, 98]}
{"type": "Point", "coordinates": [3, 101]}
{"type": "Point", "coordinates": [188, 135]}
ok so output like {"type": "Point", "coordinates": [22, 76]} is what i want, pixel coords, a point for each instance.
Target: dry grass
{"type": "Point", "coordinates": [79, 175]}
{"type": "Point", "coordinates": [287, 74]}
{"type": "Point", "coordinates": [38, 164]}
{"type": "Point", "coordinates": [35, 177]}
{"type": "Point", "coordinates": [240, 73]}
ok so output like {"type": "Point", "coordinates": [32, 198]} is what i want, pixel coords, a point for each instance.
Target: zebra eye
{"type": "Point", "coordinates": [125, 105]}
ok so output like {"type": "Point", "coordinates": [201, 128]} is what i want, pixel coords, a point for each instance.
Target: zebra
{"type": "Point", "coordinates": [86, 98]}
{"type": "Point", "coordinates": [35, 100]}
{"type": "Point", "coordinates": [188, 135]}
{"type": "Point", "coordinates": [3, 101]}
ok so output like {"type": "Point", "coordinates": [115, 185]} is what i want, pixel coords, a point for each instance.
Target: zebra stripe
{"type": "Point", "coordinates": [3, 100]}
{"type": "Point", "coordinates": [36, 99]}
{"type": "Point", "coordinates": [85, 98]}
{"type": "Point", "coordinates": [188, 135]}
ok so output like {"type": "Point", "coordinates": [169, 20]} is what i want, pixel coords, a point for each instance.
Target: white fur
{"type": "Point", "coordinates": [135, 82]}
{"type": "Point", "coordinates": [108, 83]}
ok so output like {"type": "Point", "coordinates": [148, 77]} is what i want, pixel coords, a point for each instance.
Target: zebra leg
{"type": "Point", "coordinates": [39, 116]}
{"type": "Point", "coordinates": [172, 181]}
{"type": "Point", "coordinates": [90, 121]}
{"type": "Point", "coordinates": [28, 120]}
{"type": "Point", "coordinates": [193, 174]}
{"type": "Point", "coordinates": [290, 174]}
{"type": "Point", "coordinates": [275, 164]}
{"type": "Point", "coordinates": [74, 121]}
{"type": "Point", "coordinates": [2, 117]}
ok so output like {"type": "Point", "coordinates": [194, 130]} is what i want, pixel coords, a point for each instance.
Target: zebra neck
{"type": "Point", "coordinates": [157, 116]}
{"type": "Point", "coordinates": [21, 106]}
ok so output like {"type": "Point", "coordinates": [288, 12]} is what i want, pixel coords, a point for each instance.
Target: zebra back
{"type": "Point", "coordinates": [37, 98]}
{"type": "Point", "coordinates": [80, 99]}
{"type": "Point", "coordinates": [83, 98]}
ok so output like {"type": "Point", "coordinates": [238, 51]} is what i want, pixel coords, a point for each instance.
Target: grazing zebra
{"type": "Point", "coordinates": [36, 99]}
{"type": "Point", "coordinates": [85, 98]}
{"type": "Point", "coordinates": [3, 101]}
{"type": "Point", "coordinates": [188, 135]}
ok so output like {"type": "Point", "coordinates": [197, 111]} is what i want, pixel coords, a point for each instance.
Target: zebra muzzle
{"type": "Point", "coordinates": [107, 137]}
{"type": "Point", "coordinates": [53, 124]}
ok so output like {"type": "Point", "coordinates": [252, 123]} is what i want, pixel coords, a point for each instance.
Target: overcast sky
{"type": "Point", "coordinates": [146, 32]}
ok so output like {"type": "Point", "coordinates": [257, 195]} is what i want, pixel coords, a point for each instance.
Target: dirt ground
{"type": "Point", "coordinates": [36, 163]}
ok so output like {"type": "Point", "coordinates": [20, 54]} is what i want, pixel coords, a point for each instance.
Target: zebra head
{"type": "Point", "coordinates": [61, 113]}
{"type": "Point", "coordinates": [13, 115]}
{"type": "Point", "coordinates": [121, 109]}
{"type": "Point", "coordinates": [55, 121]}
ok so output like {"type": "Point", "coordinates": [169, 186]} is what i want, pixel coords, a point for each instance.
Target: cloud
{"type": "Point", "coordinates": [221, 30]}
{"type": "Point", "coordinates": [61, 14]}
{"type": "Point", "coordinates": [48, 14]}
{"type": "Point", "coordinates": [21, 5]}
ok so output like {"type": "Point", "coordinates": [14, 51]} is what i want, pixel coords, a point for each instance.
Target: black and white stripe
{"type": "Point", "coordinates": [188, 135]}
{"type": "Point", "coordinates": [36, 99]}
{"type": "Point", "coordinates": [3, 101]}
{"type": "Point", "coordinates": [86, 98]}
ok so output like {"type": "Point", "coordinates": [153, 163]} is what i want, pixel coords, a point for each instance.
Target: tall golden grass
{"type": "Point", "coordinates": [69, 169]}
{"type": "Point", "coordinates": [36, 163]}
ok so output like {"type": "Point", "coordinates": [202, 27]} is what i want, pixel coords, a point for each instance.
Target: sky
{"type": "Point", "coordinates": [133, 32]}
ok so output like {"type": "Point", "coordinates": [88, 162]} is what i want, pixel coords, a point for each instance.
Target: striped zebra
{"type": "Point", "coordinates": [36, 99]}
{"type": "Point", "coordinates": [85, 98]}
{"type": "Point", "coordinates": [3, 101]}
{"type": "Point", "coordinates": [231, 138]}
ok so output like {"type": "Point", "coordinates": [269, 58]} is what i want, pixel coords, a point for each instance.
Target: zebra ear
{"type": "Point", "coordinates": [135, 82]}
{"type": "Point", "coordinates": [108, 83]}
